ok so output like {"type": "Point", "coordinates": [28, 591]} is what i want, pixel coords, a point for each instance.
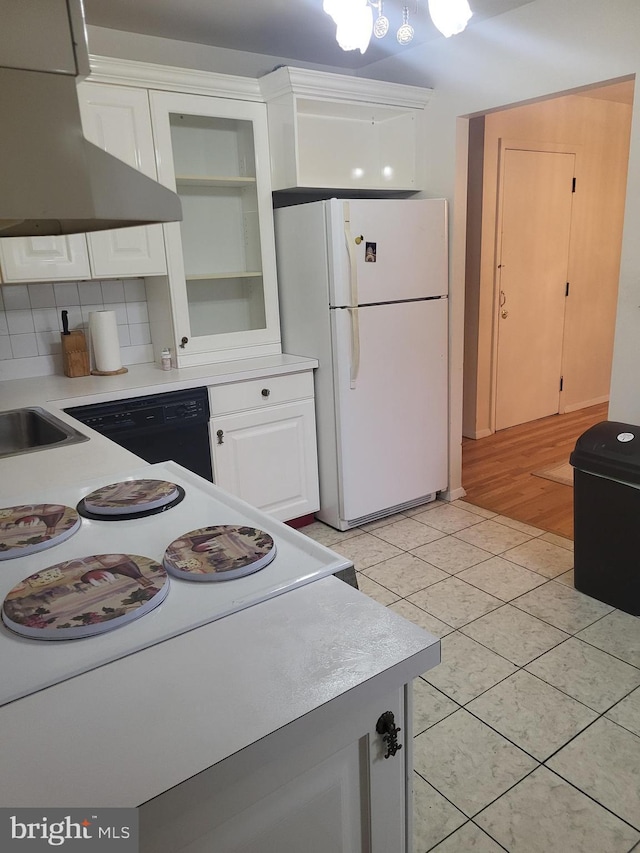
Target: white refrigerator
{"type": "Point", "coordinates": [363, 288]}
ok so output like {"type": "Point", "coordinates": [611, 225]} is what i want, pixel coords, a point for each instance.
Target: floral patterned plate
{"type": "Point", "coordinates": [219, 553]}
{"type": "Point", "coordinates": [30, 528]}
{"type": "Point", "coordinates": [85, 597]}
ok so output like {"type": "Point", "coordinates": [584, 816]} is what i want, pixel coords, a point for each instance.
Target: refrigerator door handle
{"type": "Point", "coordinates": [355, 346]}
{"type": "Point", "coordinates": [353, 266]}
{"type": "Point", "coordinates": [353, 310]}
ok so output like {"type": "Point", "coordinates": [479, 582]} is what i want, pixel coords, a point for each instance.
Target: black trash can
{"type": "Point", "coordinates": [606, 509]}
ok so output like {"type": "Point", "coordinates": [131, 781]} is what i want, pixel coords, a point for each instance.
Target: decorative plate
{"type": "Point", "coordinates": [131, 496]}
{"type": "Point", "coordinates": [219, 553]}
{"type": "Point", "coordinates": [30, 528]}
{"type": "Point", "coordinates": [84, 597]}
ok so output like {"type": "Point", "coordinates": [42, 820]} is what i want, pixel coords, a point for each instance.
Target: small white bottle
{"type": "Point", "coordinates": [166, 359]}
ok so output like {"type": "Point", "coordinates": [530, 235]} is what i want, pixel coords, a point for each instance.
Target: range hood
{"type": "Point", "coordinates": [52, 180]}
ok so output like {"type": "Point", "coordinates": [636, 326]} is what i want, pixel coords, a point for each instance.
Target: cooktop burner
{"type": "Point", "coordinates": [130, 499]}
{"type": "Point", "coordinates": [85, 597]}
{"type": "Point", "coordinates": [219, 553]}
{"type": "Point", "coordinates": [29, 528]}
{"type": "Point", "coordinates": [27, 666]}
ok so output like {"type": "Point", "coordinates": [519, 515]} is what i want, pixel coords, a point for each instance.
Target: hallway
{"type": "Point", "coordinates": [497, 471]}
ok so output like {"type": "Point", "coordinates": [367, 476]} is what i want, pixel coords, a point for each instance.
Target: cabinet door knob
{"type": "Point", "coordinates": [265, 392]}
{"type": "Point", "coordinates": [220, 436]}
{"type": "Point", "coordinates": [386, 726]}
{"type": "Point", "coordinates": [184, 342]}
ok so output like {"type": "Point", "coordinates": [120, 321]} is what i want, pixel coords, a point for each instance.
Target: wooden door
{"type": "Point", "coordinates": [533, 253]}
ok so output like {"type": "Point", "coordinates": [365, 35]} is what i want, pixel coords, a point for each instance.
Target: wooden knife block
{"type": "Point", "coordinates": [75, 356]}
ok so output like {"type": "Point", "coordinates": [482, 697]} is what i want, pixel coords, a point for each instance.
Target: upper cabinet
{"type": "Point", "coordinates": [222, 292]}
{"type": "Point", "coordinates": [44, 258]}
{"type": "Point", "coordinates": [117, 119]}
{"type": "Point", "coordinates": [332, 131]}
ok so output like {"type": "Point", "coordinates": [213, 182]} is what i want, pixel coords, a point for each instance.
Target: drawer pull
{"type": "Point", "coordinates": [386, 726]}
{"type": "Point", "coordinates": [220, 435]}
{"type": "Point", "coordinates": [265, 392]}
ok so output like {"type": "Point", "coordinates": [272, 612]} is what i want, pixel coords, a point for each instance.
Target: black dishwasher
{"type": "Point", "coordinates": [174, 425]}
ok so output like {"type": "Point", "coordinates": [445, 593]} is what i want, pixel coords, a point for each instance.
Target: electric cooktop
{"type": "Point", "coordinates": [289, 559]}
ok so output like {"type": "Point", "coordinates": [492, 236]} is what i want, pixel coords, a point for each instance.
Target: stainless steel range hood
{"type": "Point", "coordinates": [52, 180]}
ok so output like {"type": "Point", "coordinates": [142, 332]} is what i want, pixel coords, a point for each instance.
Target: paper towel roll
{"type": "Point", "coordinates": [104, 341]}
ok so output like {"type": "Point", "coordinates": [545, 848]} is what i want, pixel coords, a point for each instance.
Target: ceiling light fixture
{"type": "Point", "coordinates": [355, 24]}
{"type": "Point", "coordinates": [450, 16]}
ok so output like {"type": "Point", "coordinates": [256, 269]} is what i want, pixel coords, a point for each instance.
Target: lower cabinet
{"type": "Point", "coordinates": [319, 786]}
{"type": "Point", "coordinates": [263, 443]}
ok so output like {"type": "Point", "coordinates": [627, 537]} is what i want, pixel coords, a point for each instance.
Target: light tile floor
{"type": "Point", "coordinates": [527, 735]}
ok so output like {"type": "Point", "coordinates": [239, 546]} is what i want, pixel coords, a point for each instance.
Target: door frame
{"type": "Point", "coordinates": [543, 147]}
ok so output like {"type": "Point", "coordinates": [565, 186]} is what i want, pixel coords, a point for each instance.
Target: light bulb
{"type": "Point", "coordinates": [450, 16]}
{"type": "Point", "coordinates": [354, 22]}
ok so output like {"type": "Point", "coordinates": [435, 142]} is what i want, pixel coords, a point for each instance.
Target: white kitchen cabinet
{"type": "Point", "coordinates": [321, 791]}
{"type": "Point", "coordinates": [117, 119]}
{"type": "Point", "coordinates": [222, 288]}
{"type": "Point", "coordinates": [44, 258]}
{"type": "Point", "coordinates": [263, 443]}
{"type": "Point", "coordinates": [333, 131]}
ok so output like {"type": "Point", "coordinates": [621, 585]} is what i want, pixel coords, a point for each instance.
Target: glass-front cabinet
{"type": "Point", "coordinates": [221, 258]}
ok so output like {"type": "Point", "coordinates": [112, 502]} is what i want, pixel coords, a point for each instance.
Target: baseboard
{"type": "Point", "coordinates": [574, 407]}
{"type": "Point", "coordinates": [301, 521]}
{"type": "Point", "coordinates": [480, 433]}
{"type": "Point", "coordinates": [452, 494]}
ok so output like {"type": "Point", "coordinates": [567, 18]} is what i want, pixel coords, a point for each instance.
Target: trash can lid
{"type": "Point", "coordinates": [610, 449]}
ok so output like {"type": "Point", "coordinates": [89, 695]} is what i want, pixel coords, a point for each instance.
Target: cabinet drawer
{"type": "Point", "coordinates": [256, 393]}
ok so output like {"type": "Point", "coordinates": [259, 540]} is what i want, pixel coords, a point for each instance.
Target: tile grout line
{"type": "Point", "coordinates": [491, 802]}
{"type": "Point", "coordinates": [592, 798]}
{"type": "Point", "coordinates": [519, 668]}
{"type": "Point", "coordinates": [469, 820]}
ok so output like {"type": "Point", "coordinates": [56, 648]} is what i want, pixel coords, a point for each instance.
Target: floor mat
{"type": "Point", "coordinates": [562, 473]}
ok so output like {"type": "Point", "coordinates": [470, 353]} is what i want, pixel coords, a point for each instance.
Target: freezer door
{"type": "Point", "coordinates": [402, 253]}
{"type": "Point", "coordinates": [392, 426]}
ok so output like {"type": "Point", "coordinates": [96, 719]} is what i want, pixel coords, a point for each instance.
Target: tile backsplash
{"type": "Point", "coordinates": [30, 322]}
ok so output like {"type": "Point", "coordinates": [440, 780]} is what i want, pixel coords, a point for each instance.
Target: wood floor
{"type": "Point", "coordinates": [497, 470]}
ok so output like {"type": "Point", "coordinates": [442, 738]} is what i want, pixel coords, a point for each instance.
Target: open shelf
{"type": "Point", "coordinates": [215, 275]}
{"type": "Point", "coordinates": [212, 181]}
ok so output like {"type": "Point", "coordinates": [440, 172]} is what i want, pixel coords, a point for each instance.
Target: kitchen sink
{"type": "Point", "coordinates": [29, 429]}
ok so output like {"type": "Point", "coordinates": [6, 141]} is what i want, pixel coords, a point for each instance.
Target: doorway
{"type": "Point", "coordinates": [594, 127]}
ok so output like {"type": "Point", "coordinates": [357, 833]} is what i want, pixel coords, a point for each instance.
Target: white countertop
{"type": "Point", "coordinates": [124, 733]}
{"type": "Point", "coordinates": [100, 456]}
{"type": "Point", "coordinates": [142, 379]}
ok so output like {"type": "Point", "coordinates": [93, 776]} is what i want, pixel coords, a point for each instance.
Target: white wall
{"type": "Point", "coordinates": [545, 47]}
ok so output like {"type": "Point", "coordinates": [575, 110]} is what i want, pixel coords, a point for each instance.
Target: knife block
{"type": "Point", "coordinates": [75, 356]}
